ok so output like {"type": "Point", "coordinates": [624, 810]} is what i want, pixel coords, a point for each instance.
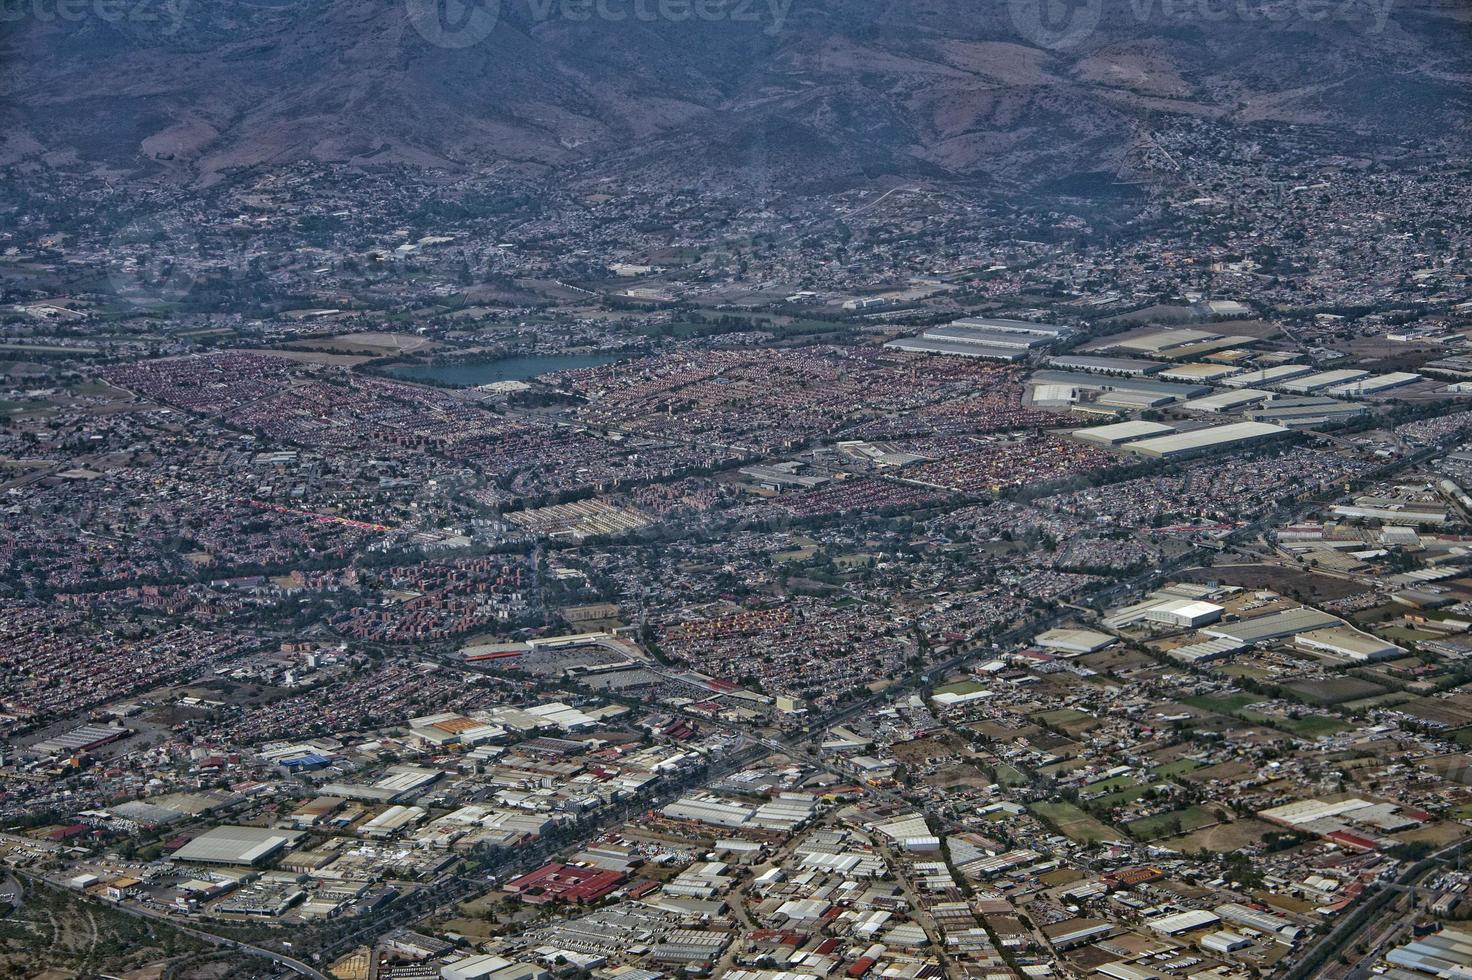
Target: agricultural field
{"type": "Point", "coordinates": [1224, 838]}
{"type": "Point", "coordinates": [1009, 775]}
{"type": "Point", "coordinates": [1221, 705]}
{"type": "Point", "coordinates": [1177, 768]}
{"type": "Point", "coordinates": [1069, 720]}
{"type": "Point", "coordinates": [1304, 586]}
{"type": "Point", "coordinates": [1121, 796]}
{"type": "Point", "coordinates": [1307, 726]}
{"type": "Point", "coordinates": [1110, 785]}
{"type": "Point", "coordinates": [1171, 824]}
{"type": "Point", "coordinates": [1334, 690]}
{"type": "Point", "coordinates": [1074, 823]}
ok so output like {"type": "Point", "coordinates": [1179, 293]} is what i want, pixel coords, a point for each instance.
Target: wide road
{"type": "Point", "coordinates": [143, 912]}
{"type": "Point", "coordinates": [1352, 926]}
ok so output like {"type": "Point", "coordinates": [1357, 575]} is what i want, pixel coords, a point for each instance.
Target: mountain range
{"type": "Point", "coordinates": [1007, 93]}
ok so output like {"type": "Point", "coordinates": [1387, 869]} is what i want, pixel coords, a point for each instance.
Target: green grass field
{"type": "Point", "coordinates": [1074, 823]}
{"type": "Point", "coordinates": [961, 687]}
{"type": "Point", "coordinates": [1235, 706]}
{"type": "Point", "coordinates": [1177, 768]}
{"type": "Point", "coordinates": [1170, 824]}
{"type": "Point", "coordinates": [1010, 775]}
{"type": "Point", "coordinates": [1120, 797]}
{"type": "Point", "coordinates": [1309, 726]}
{"type": "Point", "coordinates": [1383, 701]}
{"type": "Point", "coordinates": [1109, 785]}
{"type": "Point", "coordinates": [1227, 705]}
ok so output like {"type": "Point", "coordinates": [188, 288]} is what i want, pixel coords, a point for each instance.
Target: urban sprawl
{"type": "Point", "coordinates": [462, 577]}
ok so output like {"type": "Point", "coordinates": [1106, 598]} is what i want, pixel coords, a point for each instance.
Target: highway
{"type": "Point", "coordinates": [144, 912]}
{"type": "Point", "coordinates": [1364, 917]}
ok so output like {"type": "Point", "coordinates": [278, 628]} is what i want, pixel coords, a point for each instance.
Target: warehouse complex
{"type": "Point", "coordinates": [1183, 444]}
{"type": "Point", "coordinates": [996, 340]}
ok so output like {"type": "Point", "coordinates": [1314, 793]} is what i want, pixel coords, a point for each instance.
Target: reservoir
{"type": "Point", "coordinates": [483, 371]}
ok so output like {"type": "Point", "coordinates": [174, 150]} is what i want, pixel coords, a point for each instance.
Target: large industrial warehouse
{"type": "Point", "coordinates": [1120, 433]}
{"type": "Point", "coordinates": [236, 845]}
{"type": "Point", "coordinates": [1183, 444]}
{"type": "Point", "coordinates": [997, 340]}
{"type": "Point", "coordinates": [1268, 376]}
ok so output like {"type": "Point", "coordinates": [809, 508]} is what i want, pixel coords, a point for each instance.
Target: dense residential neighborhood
{"type": "Point", "coordinates": [414, 572]}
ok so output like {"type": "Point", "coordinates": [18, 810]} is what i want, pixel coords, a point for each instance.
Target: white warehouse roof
{"type": "Point", "coordinates": [236, 845]}
{"type": "Point", "coordinates": [1202, 440]}
{"type": "Point", "coordinates": [1121, 432]}
{"type": "Point", "coordinates": [1170, 925]}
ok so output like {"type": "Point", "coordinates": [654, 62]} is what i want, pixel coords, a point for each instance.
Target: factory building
{"type": "Point", "coordinates": [1298, 413]}
{"type": "Point", "coordinates": [1160, 390]}
{"type": "Point", "coordinates": [555, 882]}
{"type": "Point", "coordinates": [1447, 953]}
{"type": "Point", "coordinates": [1268, 376]}
{"type": "Point", "coordinates": [1174, 925]}
{"type": "Point", "coordinates": [1159, 341]}
{"type": "Point", "coordinates": [1289, 622]}
{"type": "Point", "coordinates": [1124, 367]}
{"type": "Point", "coordinates": [925, 345]}
{"type": "Point", "coordinates": [996, 340]}
{"type": "Point", "coordinates": [1324, 379]}
{"type": "Point", "coordinates": [1264, 922]}
{"type": "Point", "coordinates": [961, 334]}
{"type": "Point", "coordinates": [1351, 644]}
{"type": "Point", "coordinates": [1181, 604]}
{"type": "Point", "coordinates": [1390, 515]}
{"type": "Point", "coordinates": [1133, 400]}
{"type": "Point", "coordinates": [236, 845]}
{"type": "Point", "coordinates": [1121, 432]}
{"type": "Point", "coordinates": [1205, 651]}
{"type": "Point", "coordinates": [785, 813]}
{"type": "Point", "coordinates": [1199, 373]}
{"type": "Point", "coordinates": [1197, 441]}
{"type": "Point", "coordinates": [1185, 613]}
{"type": "Point", "coordinates": [393, 820]}
{"type": "Point", "coordinates": [1373, 385]}
{"type": "Point", "coordinates": [1049, 331]}
{"type": "Point", "coordinates": [1225, 941]}
{"type": "Point", "coordinates": [1075, 641]}
{"type": "Point", "coordinates": [1227, 401]}
{"type": "Point", "coordinates": [484, 966]}
{"type": "Point", "coordinates": [80, 740]}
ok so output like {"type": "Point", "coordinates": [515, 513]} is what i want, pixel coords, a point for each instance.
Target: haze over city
{"type": "Point", "coordinates": [747, 489]}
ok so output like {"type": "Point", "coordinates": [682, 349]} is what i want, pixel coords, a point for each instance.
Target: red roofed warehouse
{"type": "Point", "coordinates": [564, 883]}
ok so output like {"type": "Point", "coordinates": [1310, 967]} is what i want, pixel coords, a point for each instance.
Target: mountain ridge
{"type": "Point", "coordinates": [841, 90]}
